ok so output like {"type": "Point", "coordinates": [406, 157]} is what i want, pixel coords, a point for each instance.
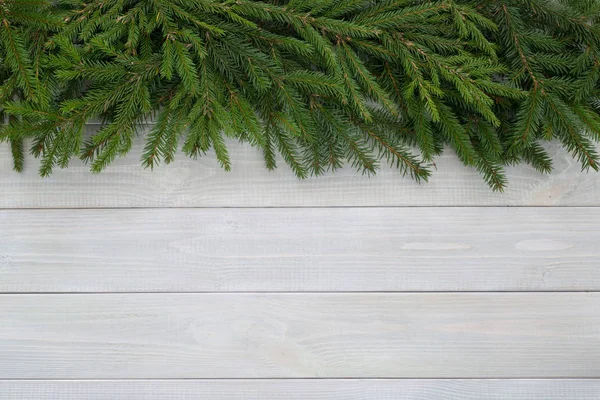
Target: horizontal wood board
{"type": "Point", "coordinates": [305, 389]}
{"type": "Point", "coordinates": [367, 335]}
{"type": "Point", "coordinates": [341, 249]}
{"type": "Point", "coordinates": [202, 183]}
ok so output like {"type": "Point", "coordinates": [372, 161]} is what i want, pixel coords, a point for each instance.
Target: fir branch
{"type": "Point", "coordinates": [18, 155]}
{"type": "Point", "coordinates": [322, 83]}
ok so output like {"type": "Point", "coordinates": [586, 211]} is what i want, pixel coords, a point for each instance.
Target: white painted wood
{"type": "Point", "coordinates": [322, 389]}
{"type": "Point", "coordinates": [202, 183]}
{"type": "Point", "coordinates": [335, 249]}
{"type": "Point", "coordinates": [500, 335]}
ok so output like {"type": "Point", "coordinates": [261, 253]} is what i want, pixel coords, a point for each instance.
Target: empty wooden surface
{"type": "Point", "coordinates": [320, 249]}
{"type": "Point", "coordinates": [295, 335]}
{"type": "Point", "coordinates": [305, 389]}
{"type": "Point", "coordinates": [190, 283]}
{"type": "Point", "coordinates": [202, 183]}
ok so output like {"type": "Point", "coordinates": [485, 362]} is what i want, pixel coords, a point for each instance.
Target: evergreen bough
{"type": "Point", "coordinates": [321, 82]}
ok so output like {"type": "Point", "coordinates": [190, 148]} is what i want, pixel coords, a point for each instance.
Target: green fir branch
{"type": "Point", "coordinates": [317, 84]}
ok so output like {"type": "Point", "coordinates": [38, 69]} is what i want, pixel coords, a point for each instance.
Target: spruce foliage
{"type": "Point", "coordinates": [320, 82]}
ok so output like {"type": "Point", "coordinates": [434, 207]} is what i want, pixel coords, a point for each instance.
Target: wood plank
{"type": "Point", "coordinates": [357, 249]}
{"type": "Point", "coordinates": [385, 335]}
{"type": "Point", "coordinates": [311, 389]}
{"type": "Point", "coordinates": [202, 183]}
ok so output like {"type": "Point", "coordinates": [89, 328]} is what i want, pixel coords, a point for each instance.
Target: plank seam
{"type": "Point", "coordinates": [303, 292]}
{"type": "Point", "coordinates": [290, 207]}
{"type": "Point", "coordinates": [502, 378]}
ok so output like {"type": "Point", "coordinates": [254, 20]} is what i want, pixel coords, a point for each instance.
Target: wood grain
{"type": "Point", "coordinates": [348, 389]}
{"type": "Point", "coordinates": [391, 335]}
{"type": "Point", "coordinates": [202, 183]}
{"type": "Point", "coordinates": [357, 249]}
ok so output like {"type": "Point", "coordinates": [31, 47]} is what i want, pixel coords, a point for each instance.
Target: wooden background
{"type": "Point", "coordinates": [192, 283]}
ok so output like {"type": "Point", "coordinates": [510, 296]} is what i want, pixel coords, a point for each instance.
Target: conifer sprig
{"type": "Point", "coordinates": [319, 82]}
